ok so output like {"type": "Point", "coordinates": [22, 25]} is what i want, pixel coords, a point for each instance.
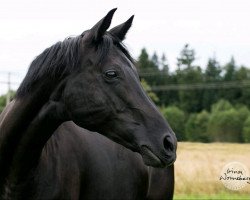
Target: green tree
{"type": "Point", "coordinates": [155, 59]}
{"type": "Point", "coordinates": [196, 127]}
{"type": "Point", "coordinates": [226, 122]}
{"type": "Point", "coordinates": [187, 57]}
{"type": "Point", "coordinates": [246, 130]}
{"type": "Point", "coordinates": [212, 75]}
{"type": "Point", "coordinates": [243, 74]}
{"type": "Point", "coordinates": [221, 105]}
{"type": "Point", "coordinates": [213, 70]}
{"type": "Point", "coordinates": [225, 126]}
{"type": "Point", "coordinates": [163, 79]}
{"type": "Point", "coordinates": [231, 94]}
{"type": "Point", "coordinates": [176, 118]}
{"type": "Point", "coordinates": [149, 91]}
{"type": "Point", "coordinates": [164, 64]}
{"type": "Point", "coordinates": [148, 68]}
{"type": "Point", "coordinates": [230, 70]}
{"type": "Point", "coordinates": [156, 73]}
{"type": "Point", "coordinates": [2, 103]}
{"type": "Point", "coordinates": [145, 64]}
{"type": "Point", "coordinates": [143, 61]}
{"type": "Point", "coordinates": [3, 99]}
{"type": "Point", "coordinates": [243, 112]}
{"type": "Point", "coordinates": [190, 100]}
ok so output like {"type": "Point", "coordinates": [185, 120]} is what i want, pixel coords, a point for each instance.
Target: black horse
{"type": "Point", "coordinates": [86, 83]}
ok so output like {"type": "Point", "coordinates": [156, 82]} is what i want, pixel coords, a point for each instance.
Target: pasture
{"type": "Point", "coordinates": [198, 167]}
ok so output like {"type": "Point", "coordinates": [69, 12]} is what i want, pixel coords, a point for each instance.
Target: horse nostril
{"type": "Point", "coordinates": [168, 143]}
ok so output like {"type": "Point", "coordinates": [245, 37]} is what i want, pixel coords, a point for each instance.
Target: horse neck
{"type": "Point", "coordinates": [24, 129]}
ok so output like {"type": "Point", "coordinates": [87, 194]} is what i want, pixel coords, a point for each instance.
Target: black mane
{"type": "Point", "coordinates": [62, 58]}
{"type": "Point", "coordinates": [54, 62]}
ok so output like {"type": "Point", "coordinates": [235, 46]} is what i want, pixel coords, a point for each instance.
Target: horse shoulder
{"type": "Point", "coordinates": [80, 164]}
{"type": "Point", "coordinates": [59, 172]}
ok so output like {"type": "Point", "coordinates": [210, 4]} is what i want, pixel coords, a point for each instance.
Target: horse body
{"type": "Point", "coordinates": [101, 169]}
{"type": "Point", "coordinates": [78, 164]}
{"type": "Point", "coordinates": [90, 80]}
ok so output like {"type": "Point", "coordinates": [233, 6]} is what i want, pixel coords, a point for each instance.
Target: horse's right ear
{"type": "Point", "coordinates": [100, 28]}
{"type": "Point", "coordinates": [121, 30]}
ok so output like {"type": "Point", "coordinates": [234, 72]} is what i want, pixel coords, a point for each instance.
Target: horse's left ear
{"type": "Point", "coordinates": [121, 30]}
{"type": "Point", "coordinates": [100, 28]}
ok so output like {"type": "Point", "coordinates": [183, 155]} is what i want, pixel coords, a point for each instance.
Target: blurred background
{"type": "Point", "coordinates": [193, 58]}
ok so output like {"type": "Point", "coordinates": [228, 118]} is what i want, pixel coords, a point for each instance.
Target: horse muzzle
{"type": "Point", "coordinates": [163, 156]}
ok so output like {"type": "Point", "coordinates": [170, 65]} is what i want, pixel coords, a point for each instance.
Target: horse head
{"type": "Point", "coordinates": [99, 89]}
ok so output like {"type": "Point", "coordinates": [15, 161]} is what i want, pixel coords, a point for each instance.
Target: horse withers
{"type": "Point", "coordinates": [89, 82]}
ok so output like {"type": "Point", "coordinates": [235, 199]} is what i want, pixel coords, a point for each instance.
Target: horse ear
{"type": "Point", "coordinates": [100, 28]}
{"type": "Point", "coordinates": [121, 30]}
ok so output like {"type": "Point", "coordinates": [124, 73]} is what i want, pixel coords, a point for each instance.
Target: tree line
{"type": "Point", "coordinates": [202, 103]}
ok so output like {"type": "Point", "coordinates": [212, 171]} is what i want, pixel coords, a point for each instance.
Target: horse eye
{"type": "Point", "coordinates": [111, 74]}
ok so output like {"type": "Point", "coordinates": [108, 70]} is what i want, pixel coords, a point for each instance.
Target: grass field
{"type": "Point", "coordinates": [198, 168]}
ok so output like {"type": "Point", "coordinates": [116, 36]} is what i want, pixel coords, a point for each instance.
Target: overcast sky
{"type": "Point", "coordinates": [211, 27]}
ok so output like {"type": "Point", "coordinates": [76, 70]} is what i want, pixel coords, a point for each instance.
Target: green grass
{"type": "Point", "coordinates": [222, 196]}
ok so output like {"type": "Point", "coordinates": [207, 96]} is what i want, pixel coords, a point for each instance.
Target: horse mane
{"type": "Point", "coordinates": [62, 58]}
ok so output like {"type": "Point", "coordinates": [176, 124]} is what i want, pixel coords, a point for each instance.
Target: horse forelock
{"type": "Point", "coordinates": [105, 46]}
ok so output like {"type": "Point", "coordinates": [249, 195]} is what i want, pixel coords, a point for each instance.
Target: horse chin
{"type": "Point", "coordinates": [150, 159]}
